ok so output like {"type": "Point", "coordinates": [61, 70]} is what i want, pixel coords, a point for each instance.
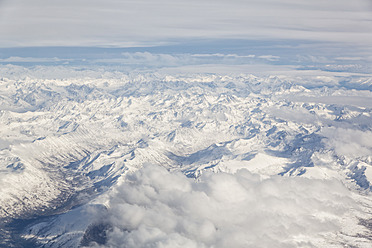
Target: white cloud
{"type": "Point", "coordinates": [145, 22]}
{"type": "Point", "coordinates": [348, 142]}
{"type": "Point", "coordinates": [269, 57]}
{"type": "Point", "coordinates": [156, 208]}
{"type": "Point", "coordinates": [32, 59]}
{"type": "Point", "coordinates": [146, 59]}
{"type": "Point", "coordinates": [349, 58]}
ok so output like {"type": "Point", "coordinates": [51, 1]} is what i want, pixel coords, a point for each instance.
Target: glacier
{"type": "Point", "coordinates": [167, 158]}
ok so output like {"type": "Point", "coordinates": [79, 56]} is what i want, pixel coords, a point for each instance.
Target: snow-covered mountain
{"type": "Point", "coordinates": [155, 159]}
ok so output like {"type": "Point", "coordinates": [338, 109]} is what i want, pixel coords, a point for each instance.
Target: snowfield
{"type": "Point", "coordinates": [106, 158]}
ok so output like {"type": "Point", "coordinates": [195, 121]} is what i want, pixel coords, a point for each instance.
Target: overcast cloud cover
{"type": "Point", "coordinates": [150, 23]}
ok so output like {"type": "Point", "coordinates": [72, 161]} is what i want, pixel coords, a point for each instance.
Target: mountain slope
{"type": "Point", "coordinates": [67, 146]}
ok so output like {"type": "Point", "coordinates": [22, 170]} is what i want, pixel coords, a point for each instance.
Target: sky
{"type": "Point", "coordinates": [116, 23]}
{"type": "Point", "coordinates": [310, 34]}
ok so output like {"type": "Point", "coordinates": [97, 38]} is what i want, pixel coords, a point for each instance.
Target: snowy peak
{"type": "Point", "coordinates": [71, 142]}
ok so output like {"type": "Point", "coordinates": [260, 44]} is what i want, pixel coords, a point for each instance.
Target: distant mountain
{"type": "Point", "coordinates": [165, 160]}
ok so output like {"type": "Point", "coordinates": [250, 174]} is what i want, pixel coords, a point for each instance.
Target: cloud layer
{"type": "Point", "coordinates": [156, 208]}
{"type": "Point", "coordinates": [145, 22]}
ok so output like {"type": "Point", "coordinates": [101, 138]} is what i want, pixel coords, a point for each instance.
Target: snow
{"type": "Point", "coordinates": [368, 172]}
{"type": "Point", "coordinates": [185, 159]}
{"type": "Point", "coordinates": [261, 163]}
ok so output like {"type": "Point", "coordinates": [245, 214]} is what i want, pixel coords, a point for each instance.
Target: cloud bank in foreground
{"type": "Point", "coordinates": [155, 208]}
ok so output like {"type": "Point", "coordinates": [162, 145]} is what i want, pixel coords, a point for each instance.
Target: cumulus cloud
{"type": "Point", "coordinates": [348, 142]}
{"type": "Point", "coordinates": [156, 208]}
